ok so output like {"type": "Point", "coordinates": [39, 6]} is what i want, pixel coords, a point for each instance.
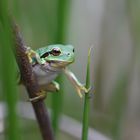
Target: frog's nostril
{"type": "Point", "coordinates": [68, 54]}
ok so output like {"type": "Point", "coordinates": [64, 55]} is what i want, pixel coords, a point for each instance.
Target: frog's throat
{"type": "Point", "coordinates": [60, 64]}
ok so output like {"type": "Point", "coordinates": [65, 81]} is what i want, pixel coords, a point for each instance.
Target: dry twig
{"type": "Point", "coordinates": [31, 85]}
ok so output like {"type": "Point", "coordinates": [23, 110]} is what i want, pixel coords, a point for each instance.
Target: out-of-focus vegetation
{"type": "Point", "coordinates": [113, 27]}
{"type": "Point", "coordinates": [7, 72]}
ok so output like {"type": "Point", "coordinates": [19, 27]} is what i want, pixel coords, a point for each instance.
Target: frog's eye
{"type": "Point", "coordinates": [73, 50]}
{"type": "Point", "coordinates": [44, 55]}
{"type": "Point", "coordinates": [55, 51]}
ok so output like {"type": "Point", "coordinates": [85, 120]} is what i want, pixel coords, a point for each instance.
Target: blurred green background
{"type": "Point", "coordinates": [113, 29]}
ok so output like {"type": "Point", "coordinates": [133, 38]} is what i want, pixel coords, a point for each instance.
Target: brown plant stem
{"type": "Point", "coordinates": [31, 85]}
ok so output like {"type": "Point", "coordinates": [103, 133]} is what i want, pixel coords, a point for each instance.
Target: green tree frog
{"type": "Point", "coordinates": [48, 62]}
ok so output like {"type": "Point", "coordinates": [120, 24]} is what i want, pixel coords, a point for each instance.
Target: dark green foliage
{"type": "Point", "coordinates": [8, 73]}
{"type": "Point", "coordinates": [57, 98]}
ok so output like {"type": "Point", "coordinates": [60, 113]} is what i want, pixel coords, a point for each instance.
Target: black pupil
{"type": "Point", "coordinates": [55, 52]}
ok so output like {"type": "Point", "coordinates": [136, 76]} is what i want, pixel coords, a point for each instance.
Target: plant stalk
{"type": "Point", "coordinates": [32, 86]}
{"type": "Point", "coordinates": [86, 102]}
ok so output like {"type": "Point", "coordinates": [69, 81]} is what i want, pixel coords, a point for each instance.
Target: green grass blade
{"type": "Point", "coordinates": [8, 74]}
{"type": "Point", "coordinates": [86, 103]}
{"type": "Point", "coordinates": [57, 99]}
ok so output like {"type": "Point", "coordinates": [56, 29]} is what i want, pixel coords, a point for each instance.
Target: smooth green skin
{"type": "Point", "coordinates": [66, 55]}
{"type": "Point", "coordinates": [58, 62]}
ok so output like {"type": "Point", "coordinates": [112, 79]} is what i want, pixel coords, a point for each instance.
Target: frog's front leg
{"type": "Point", "coordinates": [51, 87]}
{"type": "Point", "coordinates": [79, 87]}
{"type": "Point", "coordinates": [33, 56]}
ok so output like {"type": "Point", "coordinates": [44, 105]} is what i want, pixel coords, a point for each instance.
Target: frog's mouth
{"type": "Point", "coordinates": [59, 64]}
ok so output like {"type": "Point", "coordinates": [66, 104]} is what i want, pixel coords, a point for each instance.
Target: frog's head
{"type": "Point", "coordinates": [57, 55]}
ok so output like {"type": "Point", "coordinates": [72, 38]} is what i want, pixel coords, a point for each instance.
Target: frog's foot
{"type": "Point", "coordinates": [40, 96]}
{"type": "Point", "coordinates": [82, 89]}
{"type": "Point", "coordinates": [86, 90]}
{"type": "Point", "coordinates": [51, 87]}
{"type": "Point", "coordinates": [30, 53]}
{"type": "Point", "coordinates": [56, 85]}
{"type": "Point", "coordinates": [33, 56]}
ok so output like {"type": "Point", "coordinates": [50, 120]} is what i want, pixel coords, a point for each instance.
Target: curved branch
{"type": "Point", "coordinates": [31, 84]}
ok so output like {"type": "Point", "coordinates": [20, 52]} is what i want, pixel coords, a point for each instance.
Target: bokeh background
{"type": "Point", "coordinates": [113, 29]}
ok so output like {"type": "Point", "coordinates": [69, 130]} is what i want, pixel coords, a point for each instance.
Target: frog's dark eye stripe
{"type": "Point", "coordinates": [44, 55]}
{"type": "Point", "coordinates": [55, 52]}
